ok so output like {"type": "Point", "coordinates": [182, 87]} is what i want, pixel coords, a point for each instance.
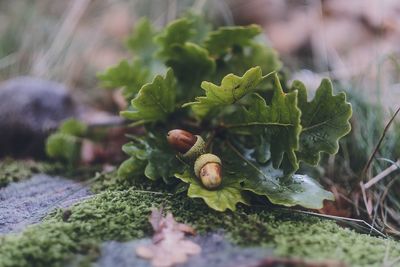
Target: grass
{"type": "Point", "coordinates": [380, 204]}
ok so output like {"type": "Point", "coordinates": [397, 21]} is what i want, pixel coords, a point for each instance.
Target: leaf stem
{"type": "Point", "coordinates": [268, 74]}
{"type": "Point", "coordinates": [210, 139]}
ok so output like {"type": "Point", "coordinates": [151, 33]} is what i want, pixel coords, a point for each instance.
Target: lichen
{"type": "Point", "coordinates": [123, 215]}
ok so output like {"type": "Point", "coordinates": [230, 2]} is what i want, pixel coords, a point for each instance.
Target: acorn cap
{"type": "Point", "coordinates": [203, 160]}
{"type": "Point", "coordinates": [196, 150]}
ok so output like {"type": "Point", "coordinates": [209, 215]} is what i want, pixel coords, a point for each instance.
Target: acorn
{"type": "Point", "coordinates": [207, 167]}
{"type": "Point", "coordinates": [188, 145]}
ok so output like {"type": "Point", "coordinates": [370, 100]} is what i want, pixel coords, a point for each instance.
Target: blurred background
{"type": "Point", "coordinates": [355, 43]}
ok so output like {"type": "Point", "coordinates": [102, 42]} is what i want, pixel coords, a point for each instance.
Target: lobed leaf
{"type": "Point", "coordinates": [191, 63]}
{"type": "Point", "coordinates": [251, 56]}
{"type": "Point", "coordinates": [131, 168]}
{"type": "Point", "coordinates": [227, 196]}
{"type": "Point", "coordinates": [201, 28]}
{"type": "Point", "coordinates": [141, 41]}
{"type": "Point", "coordinates": [259, 131]}
{"type": "Point", "coordinates": [73, 127]}
{"type": "Point", "coordinates": [264, 179]}
{"type": "Point", "coordinates": [152, 157]}
{"type": "Point", "coordinates": [65, 143]}
{"type": "Point", "coordinates": [220, 41]}
{"type": "Point", "coordinates": [130, 77]}
{"type": "Point", "coordinates": [232, 89]}
{"type": "Point", "coordinates": [176, 33]}
{"type": "Point", "coordinates": [64, 147]}
{"type": "Point", "coordinates": [170, 247]}
{"type": "Point", "coordinates": [325, 120]}
{"type": "Point", "coordinates": [242, 172]}
{"type": "Point", "coordinates": [279, 123]}
{"type": "Point", "coordinates": [155, 101]}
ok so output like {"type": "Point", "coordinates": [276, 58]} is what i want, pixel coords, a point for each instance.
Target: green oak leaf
{"type": "Point", "coordinates": [325, 120]}
{"type": "Point", "coordinates": [141, 41]}
{"type": "Point", "coordinates": [225, 197]}
{"type": "Point", "coordinates": [264, 179]}
{"type": "Point", "coordinates": [73, 127]}
{"type": "Point", "coordinates": [65, 143]}
{"type": "Point", "coordinates": [220, 41]}
{"type": "Point", "coordinates": [154, 101]}
{"type": "Point", "coordinates": [131, 168]}
{"type": "Point", "coordinates": [254, 54]}
{"type": "Point", "coordinates": [279, 122]}
{"type": "Point", "coordinates": [201, 27]}
{"type": "Point", "coordinates": [153, 157]}
{"type": "Point", "coordinates": [64, 147]}
{"type": "Point", "coordinates": [232, 89]}
{"type": "Point", "coordinates": [190, 62]}
{"type": "Point", "coordinates": [130, 77]}
{"type": "Point", "coordinates": [177, 32]}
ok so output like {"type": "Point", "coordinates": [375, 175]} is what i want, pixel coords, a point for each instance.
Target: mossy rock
{"type": "Point", "coordinates": [17, 170]}
{"type": "Point", "coordinates": [122, 215]}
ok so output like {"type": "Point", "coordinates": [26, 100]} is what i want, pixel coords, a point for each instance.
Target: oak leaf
{"type": "Point", "coordinates": [169, 246]}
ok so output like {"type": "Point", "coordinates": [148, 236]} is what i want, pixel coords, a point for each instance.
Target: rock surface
{"type": "Point", "coordinates": [27, 202]}
{"type": "Point", "coordinates": [216, 252]}
{"type": "Point", "coordinates": [29, 109]}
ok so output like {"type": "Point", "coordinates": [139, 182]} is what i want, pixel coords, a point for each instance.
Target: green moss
{"type": "Point", "coordinates": [16, 170]}
{"type": "Point", "coordinates": [113, 215]}
{"type": "Point", "coordinates": [324, 239]}
{"type": "Point", "coordinates": [123, 215]}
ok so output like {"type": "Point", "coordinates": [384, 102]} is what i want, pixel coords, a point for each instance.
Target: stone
{"type": "Point", "coordinates": [27, 202]}
{"type": "Point", "coordinates": [30, 108]}
{"type": "Point", "coordinates": [217, 251]}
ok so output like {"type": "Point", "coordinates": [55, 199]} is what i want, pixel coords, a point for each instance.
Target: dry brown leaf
{"type": "Point", "coordinates": [169, 246]}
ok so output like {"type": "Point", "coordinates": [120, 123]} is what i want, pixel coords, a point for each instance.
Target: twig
{"type": "Point", "coordinates": [113, 122]}
{"type": "Point", "coordinates": [382, 174]}
{"type": "Point", "coordinates": [366, 225]}
{"type": "Point", "coordinates": [367, 203]}
{"type": "Point", "coordinates": [153, 192]}
{"type": "Point", "coordinates": [365, 170]}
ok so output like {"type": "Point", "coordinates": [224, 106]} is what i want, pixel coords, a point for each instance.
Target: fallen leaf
{"type": "Point", "coordinates": [169, 246]}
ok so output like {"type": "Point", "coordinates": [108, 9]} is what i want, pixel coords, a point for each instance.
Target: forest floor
{"type": "Point", "coordinates": [52, 221]}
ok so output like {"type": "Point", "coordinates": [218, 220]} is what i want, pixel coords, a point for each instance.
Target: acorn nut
{"type": "Point", "coordinates": [208, 168]}
{"type": "Point", "coordinates": [188, 145]}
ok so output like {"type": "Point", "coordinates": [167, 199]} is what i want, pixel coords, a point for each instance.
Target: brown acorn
{"type": "Point", "coordinates": [208, 168]}
{"type": "Point", "coordinates": [188, 145]}
{"type": "Point", "coordinates": [181, 140]}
